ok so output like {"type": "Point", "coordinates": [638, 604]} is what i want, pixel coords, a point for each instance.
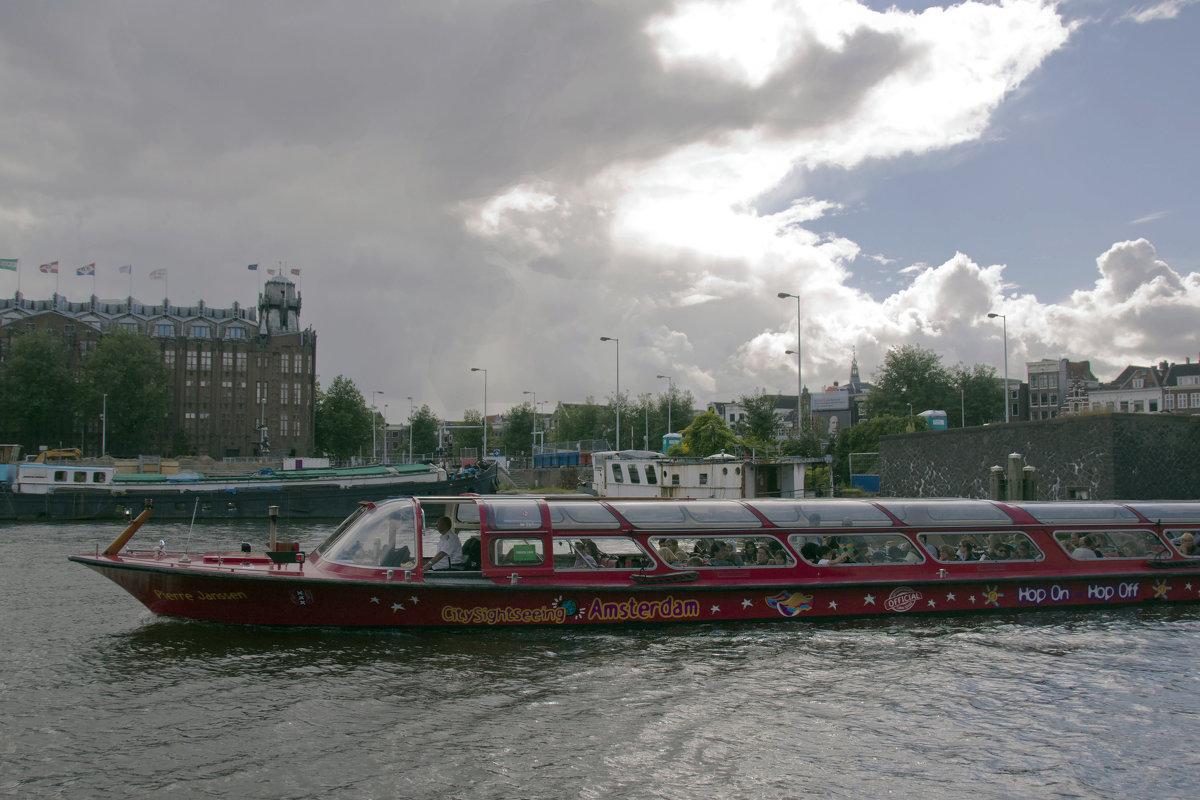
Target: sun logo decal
{"type": "Point", "coordinates": [992, 597]}
{"type": "Point", "coordinates": [1160, 590]}
{"type": "Point", "coordinates": [789, 604]}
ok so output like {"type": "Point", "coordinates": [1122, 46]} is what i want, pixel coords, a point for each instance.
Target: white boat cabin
{"type": "Point", "coordinates": [46, 478]}
{"type": "Point", "coordinates": [641, 473]}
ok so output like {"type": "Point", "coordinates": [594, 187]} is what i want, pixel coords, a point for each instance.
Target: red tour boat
{"type": "Point", "coordinates": [580, 561]}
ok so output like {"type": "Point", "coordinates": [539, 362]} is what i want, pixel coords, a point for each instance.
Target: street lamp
{"type": "Point", "coordinates": [484, 371]}
{"type": "Point", "coordinates": [618, 343]}
{"type": "Point", "coordinates": [1004, 319]}
{"type": "Point", "coordinates": [533, 443]}
{"type": "Point", "coordinates": [385, 433]}
{"type": "Point", "coordinates": [670, 398]}
{"type": "Point", "coordinates": [799, 379]}
{"type": "Point", "coordinates": [410, 416]}
{"type": "Point", "coordinates": [104, 426]}
{"type": "Point", "coordinates": [374, 425]}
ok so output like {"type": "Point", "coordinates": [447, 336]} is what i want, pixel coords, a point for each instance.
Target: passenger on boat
{"type": "Point", "coordinates": [449, 554]}
{"type": "Point", "coordinates": [1086, 549]}
{"type": "Point", "coordinates": [669, 550]}
{"type": "Point", "coordinates": [946, 553]}
{"type": "Point", "coordinates": [810, 552]}
{"type": "Point", "coordinates": [583, 558]}
{"type": "Point", "coordinates": [1024, 551]}
{"type": "Point", "coordinates": [966, 551]}
{"type": "Point", "coordinates": [1187, 544]}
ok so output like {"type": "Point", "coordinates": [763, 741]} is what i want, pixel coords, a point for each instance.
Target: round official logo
{"type": "Point", "coordinates": [902, 598]}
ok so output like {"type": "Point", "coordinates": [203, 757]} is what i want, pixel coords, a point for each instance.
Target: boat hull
{"type": "Point", "coordinates": [294, 501]}
{"type": "Point", "coordinates": [287, 595]}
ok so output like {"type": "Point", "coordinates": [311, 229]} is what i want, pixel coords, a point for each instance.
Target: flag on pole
{"type": "Point", "coordinates": [51, 268]}
{"type": "Point", "coordinates": [253, 267]}
{"type": "Point", "coordinates": [87, 269]}
{"type": "Point", "coordinates": [127, 269]}
{"type": "Point", "coordinates": [158, 274]}
{"type": "Point", "coordinates": [295, 272]}
{"type": "Point", "coordinates": [8, 264]}
{"type": "Point", "coordinates": [270, 272]}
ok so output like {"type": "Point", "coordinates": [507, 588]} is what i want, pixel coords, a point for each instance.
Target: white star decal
{"type": "Point", "coordinates": [714, 609]}
{"type": "Point", "coordinates": [375, 600]}
{"type": "Point", "coordinates": [932, 603]}
{"type": "Point", "coordinates": [869, 600]}
{"type": "Point", "coordinates": [833, 603]}
{"type": "Point", "coordinates": [747, 603]}
{"type": "Point", "coordinates": [397, 607]}
{"type": "Point", "coordinates": [949, 596]}
{"type": "Point", "coordinates": [414, 599]}
{"type": "Point", "coordinates": [972, 598]}
{"type": "Point", "coordinates": [1187, 586]}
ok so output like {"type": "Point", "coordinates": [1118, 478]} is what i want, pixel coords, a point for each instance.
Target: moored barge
{"type": "Point", "coordinates": [580, 561]}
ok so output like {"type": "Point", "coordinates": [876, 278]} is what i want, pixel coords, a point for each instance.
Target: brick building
{"type": "Point", "coordinates": [238, 378]}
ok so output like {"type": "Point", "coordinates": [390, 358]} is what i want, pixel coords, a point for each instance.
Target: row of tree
{"type": "Point", "coordinates": [46, 399]}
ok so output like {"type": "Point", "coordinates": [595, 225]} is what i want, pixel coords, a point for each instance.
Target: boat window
{"type": "Point", "coordinates": [1110, 544]}
{"type": "Point", "coordinates": [946, 512]}
{"type": "Point", "coordinates": [617, 474]}
{"type": "Point", "coordinates": [1174, 512]}
{"type": "Point", "coordinates": [60, 476]}
{"type": "Point", "coordinates": [608, 552]}
{"type": "Point", "coordinates": [856, 548]}
{"type": "Point", "coordinates": [80, 477]}
{"type": "Point", "coordinates": [1187, 542]}
{"type": "Point", "coordinates": [1065, 513]}
{"type": "Point", "coordinates": [98, 477]}
{"type": "Point", "coordinates": [581, 514]}
{"type": "Point", "coordinates": [995, 546]}
{"type": "Point", "coordinates": [651, 474]}
{"type": "Point", "coordinates": [634, 476]}
{"type": "Point", "coordinates": [687, 514]}
{"type": "Point", "coordinates": [384, 536]}
{"type": "Point", "coordinates": [827, 513]}
{"type": "Point", "coordinates": [514, 515]}
{"type": "Point", "coordinates": [721, 551]}
{"type": "Point", "coordinates": [517, 551]}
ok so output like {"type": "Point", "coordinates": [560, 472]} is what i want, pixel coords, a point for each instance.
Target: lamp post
{"type": "Point", "coordinates": [484, 371]}
{"type": "Point", "coordinates": [1003, 319]}
{"type": "Point", "coordinates": [670, 398]}
{"type": "Point", "coordinates": [410, 431]}
{"type": "Point", "coordinates": [799, 379]}
{"type": "Point", "coordinates": [533, 443]}
{"type": "Point", "coordinates": [104, 426]}
{"type": "Point", "coordinates": [385, 433]}
{"type": "Point", "coordinates": [618, 343]}
{"type": "Point", "coordinates": [374, 425]}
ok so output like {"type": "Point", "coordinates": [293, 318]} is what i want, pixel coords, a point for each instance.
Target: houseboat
{"type": "Point", "coordinates": [645, 473]}
{"type": "Point", "coordinates": [584, 561]}
{"type": "Point", "coordinates": [35, 491]}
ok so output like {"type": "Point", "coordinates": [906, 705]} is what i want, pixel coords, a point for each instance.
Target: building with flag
{"type": "Point", "coordinates": [238, 377]}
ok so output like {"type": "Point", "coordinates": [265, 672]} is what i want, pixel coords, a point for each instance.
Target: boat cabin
{"type": "Point", "coordinates": [46, 478]}
{"type": "Point", "coordinates": [518, 539]}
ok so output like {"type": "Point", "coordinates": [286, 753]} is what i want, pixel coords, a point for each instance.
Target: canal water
{"type": "Point", "coordinates": [99, 699]}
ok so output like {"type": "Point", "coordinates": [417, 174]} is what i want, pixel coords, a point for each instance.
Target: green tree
{"type": "Point", "coordinates": [575, 422]}
{"type": "Point", "coordinates": [980, 391]}
{"type": "Point", "coordinates": [424, 431]}
{"type": "Point", "coordinates": [470, 435]}
{"type": "Point", "coordinates": [707, 434]}
{"type": "Point", "coordinates": [129, 369]}
{"type": "Point", "coordinates": [518, 430]}
{"type": "Point", "coordinates": [37, 393]}
{"type": "Point", "coordinates": [912, 380]}
{"type": "Point", "coordinates": [343, 420]}
{"type": "Point", "coordinates": [760, 423]}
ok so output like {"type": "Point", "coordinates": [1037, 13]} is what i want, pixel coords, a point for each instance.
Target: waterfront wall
{"type": "Point", "coordinates": [1091, 456]}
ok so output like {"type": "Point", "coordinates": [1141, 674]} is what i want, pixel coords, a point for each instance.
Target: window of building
{"type": "Point", "coordinates": [164, 329]}
{"type": "Point", "coordinates": [284, 362]}
{"type": "Point", "coordinates": [206, 360]}
{"type": "Point", "coordinates": [227, 361]}
{"type": "Point", "coordinates": [1170, 400]}
{"type": "Point", "coordinates": [235, 333]}
{"type": "Point", "coordinates": [241, 362]}
{"type": "Point", "coordinates": [191, 359]}
{"type": "Point", "coordinates": [283, 394]}
{"type": "Point", "coordinates": [1153, 406]}
{"type": "Point", "coordinates": [1138, 406]}
{"type": "Point", "coordinates": [296, 394]}
{"type": "Point", "coordinates": [169, 358]}
{"type": "Point", "coordinates": [202, 331]}
{"type": "Point", "coordinates": [296, 363]}
{"type": "Point", "coordinates": [1189, 380]}
{"type": "Point", "coordinates": [1195, 399]}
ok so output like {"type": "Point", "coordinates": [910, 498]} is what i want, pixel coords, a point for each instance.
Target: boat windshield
{"type": "Point", "coordinates": [383, 536]}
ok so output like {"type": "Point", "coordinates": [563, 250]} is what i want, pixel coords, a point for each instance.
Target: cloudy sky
{"type": "Point", "coordinates": [499, 183]}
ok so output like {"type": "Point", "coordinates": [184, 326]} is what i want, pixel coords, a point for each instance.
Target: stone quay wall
{"type": "Point", "coordinates": [1090, 456]}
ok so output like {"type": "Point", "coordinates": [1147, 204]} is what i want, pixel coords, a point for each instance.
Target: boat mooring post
{"type": "Point", "coordinates": [272, 515]}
